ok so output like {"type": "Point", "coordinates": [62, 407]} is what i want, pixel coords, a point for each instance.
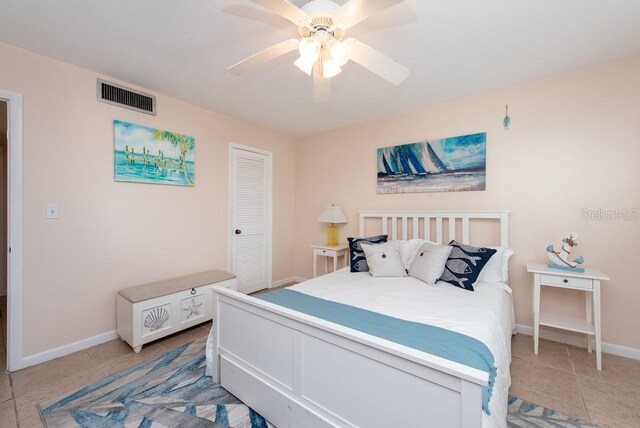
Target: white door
{"type": "Point", "coordinates": [250, 225]}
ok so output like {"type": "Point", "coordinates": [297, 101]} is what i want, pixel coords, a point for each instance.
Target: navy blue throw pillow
{"type": "Point", "coordinates": [356, 255]}
{"type": "Point", "coordinates": [465, 264]}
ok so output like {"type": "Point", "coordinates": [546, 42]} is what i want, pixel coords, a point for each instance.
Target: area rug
{"type": "Point", "coordinates": [169, 390]}
{"type": "Point", "coordinates": [172, 390]}
{"type": "Point", "coordinates": [522, 414]}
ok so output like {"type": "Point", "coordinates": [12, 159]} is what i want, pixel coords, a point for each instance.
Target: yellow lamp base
{"type": "Point", "coordinates": [332, 235]}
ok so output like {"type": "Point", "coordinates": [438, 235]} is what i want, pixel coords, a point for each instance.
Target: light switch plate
{"type": "Point", "coordinates": [52, 211]}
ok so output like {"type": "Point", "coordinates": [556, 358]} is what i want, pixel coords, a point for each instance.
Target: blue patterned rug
{"type": "Point", "coordinates": [522, 414]}
{"type": "Point", "coordinates": [169, 390]}
{"type": "Point", "coordinates": [172, 390]}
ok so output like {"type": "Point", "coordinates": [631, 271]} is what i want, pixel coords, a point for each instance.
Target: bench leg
{"type": "Point", "coordinates": [137, 349]}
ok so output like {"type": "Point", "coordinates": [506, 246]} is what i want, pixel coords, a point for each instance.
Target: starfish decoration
{"type": "Point", "coordinates": [192, 310]}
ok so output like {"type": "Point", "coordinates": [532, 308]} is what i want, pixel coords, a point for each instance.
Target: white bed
{"type": "Point", "coordinates": [298, 370]}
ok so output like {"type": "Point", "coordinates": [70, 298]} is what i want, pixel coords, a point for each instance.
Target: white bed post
{"type": "Point", "coordinates": [214, 339]}
{"type": "Point", "coordinates": [470, 404]}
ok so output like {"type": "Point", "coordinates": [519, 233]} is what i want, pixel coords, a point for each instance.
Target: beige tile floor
{"type": "Point", "coordinates": [22, 390]}
{"type": "Point", "coordinates": [565, 378]}
{"type": "Point", "coordinates": [560, 377]}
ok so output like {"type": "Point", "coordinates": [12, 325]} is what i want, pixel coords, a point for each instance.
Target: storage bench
{"type": "Point", "coordinates": [150, 311]}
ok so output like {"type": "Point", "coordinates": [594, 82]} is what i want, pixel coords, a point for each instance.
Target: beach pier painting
{"type": "Point", "coordinates": [147, 155]}
{"type": "Point", "coordinates": [446, 165]}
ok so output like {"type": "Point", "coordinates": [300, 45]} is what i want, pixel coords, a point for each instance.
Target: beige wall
{"type": "Point", "coordinates": [112, 235]}
{"type": "Point", "coordinates": [574, 144]}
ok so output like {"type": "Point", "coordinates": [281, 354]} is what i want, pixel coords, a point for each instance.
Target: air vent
{"type": "Point", "coordinates": [122, 96]}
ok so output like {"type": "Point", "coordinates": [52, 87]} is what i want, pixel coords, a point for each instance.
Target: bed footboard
{"type": "Point", "coordinates": [297, 370]}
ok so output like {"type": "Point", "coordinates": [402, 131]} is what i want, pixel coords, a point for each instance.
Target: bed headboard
{"type": "Point", "coordinates": [416, 218]}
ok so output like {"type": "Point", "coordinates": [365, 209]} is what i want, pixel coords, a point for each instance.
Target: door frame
{"type": "Point", "coordinates": [14, 228]}
{"type": "Point", "coordinates": [269, 202]}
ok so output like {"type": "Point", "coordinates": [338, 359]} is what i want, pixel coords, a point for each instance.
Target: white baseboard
{"type": "Point", "coordinates": [282, 282]}
{"type": "Point", "coordinates": [581, 342]}
{"type": "Point", "coordinates": [61, 351]}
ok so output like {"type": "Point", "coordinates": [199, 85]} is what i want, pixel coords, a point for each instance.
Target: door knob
{"type": "Point", "coordinates": [238, 231]}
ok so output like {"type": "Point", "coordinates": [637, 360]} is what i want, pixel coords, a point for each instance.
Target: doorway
{"type": "Point", "coordinates": [250, 214]}
{"type": "Point", "coordinates": [12, 227]}
{"type": "Point", "coordinates": [4, 127]}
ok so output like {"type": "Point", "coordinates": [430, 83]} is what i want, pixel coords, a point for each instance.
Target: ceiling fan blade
{"type": "Point", "coordinates": [355, 11]}
{"type": "Point", "coordinates": [264, 56]}
{"type": "Point", "coordinates": [283, 8]}
{"type": "Point", "coordinates": [377, 62]}
{"type": "Point", "coordinates": [321, 86]}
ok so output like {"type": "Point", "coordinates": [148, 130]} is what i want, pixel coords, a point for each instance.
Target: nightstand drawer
{"type": "Point", "coordinates": [566, 281]}
{"type": "Point", "coordinates": [325, 252]}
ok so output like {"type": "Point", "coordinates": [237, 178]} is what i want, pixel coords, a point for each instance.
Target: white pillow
{"type": "Point", "coordinates": [384, 259]}
{"type": "Point", "coordinates": [429, 262]}
{"type": "Point", "coordinates": [497, 268]}
{"type": "Point", "coordinates": [408, 250]}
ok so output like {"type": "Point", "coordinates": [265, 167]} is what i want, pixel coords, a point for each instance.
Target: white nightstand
{"type": "Point", "coordinates": [329, 252]}
{"type": "Point", "coordinates": [588, 281]}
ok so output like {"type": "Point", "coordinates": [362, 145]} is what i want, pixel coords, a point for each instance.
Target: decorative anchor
{"type": "Point", "coordinates": [560, 259]}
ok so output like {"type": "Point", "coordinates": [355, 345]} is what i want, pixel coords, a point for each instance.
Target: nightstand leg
{"type": "Point", "coordinates": [326, 265]}
{"type": "Point", "coordinates": [536, 312]}
{"type": "Point", "coordinates": [315, 265]}
{"type": "Point", "coordinates": [335, 263]}
{"type": "Point", "coordinates": [589, 300]}
{"type": "Point", "coordinates": [596, 315]}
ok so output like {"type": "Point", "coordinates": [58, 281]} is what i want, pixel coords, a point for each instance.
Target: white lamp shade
{"type": "Point", "coordinates": [340, 52]}
{"type": "Point", "coordinates": [332, 214]}
{"type": "Point", "coordinates": [309, 49]}
{"type": "Point", "coordinates": [305, 65]}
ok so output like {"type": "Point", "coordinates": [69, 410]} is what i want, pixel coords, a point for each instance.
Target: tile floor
{"type": "Point", "coordinates": [560, 377]}
{"type": "Point", "coordinates": [22, 390]}
{"type": "Point", "coordinates": [565, 378]}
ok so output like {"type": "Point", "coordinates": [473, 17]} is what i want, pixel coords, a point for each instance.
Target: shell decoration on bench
{"type": "Point", "coordinates": [156, 319]}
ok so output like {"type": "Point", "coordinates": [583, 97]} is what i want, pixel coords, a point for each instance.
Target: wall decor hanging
{"type": "Point", "coordinates": [447, 165]}
{"type": "Point", "coordinates": [506, 122]}
{"type": "Point", "coordinates": [147, 155]}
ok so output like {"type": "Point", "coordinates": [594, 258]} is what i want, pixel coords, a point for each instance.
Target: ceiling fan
{"type": "Point", "coordinates": [323, 49]}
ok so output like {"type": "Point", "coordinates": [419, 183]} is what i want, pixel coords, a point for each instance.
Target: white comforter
{"type": "Point", "coordinates": [486, 314]}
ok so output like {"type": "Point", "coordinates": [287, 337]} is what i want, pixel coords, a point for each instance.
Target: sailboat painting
{"type": "Point", "coordinates": [147, 155]}
{"type": "Point", "coordinates": [454, 164]}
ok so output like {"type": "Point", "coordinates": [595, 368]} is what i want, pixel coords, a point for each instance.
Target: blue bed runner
{"type": "Point", "coordinates": [437, 341]}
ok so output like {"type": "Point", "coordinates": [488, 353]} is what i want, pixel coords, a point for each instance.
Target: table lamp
{"type": "Point", "coordinates": [332, 215]}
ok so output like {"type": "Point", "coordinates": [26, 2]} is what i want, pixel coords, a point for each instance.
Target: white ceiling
{"type": "Point", "coordinates": [454, 48]}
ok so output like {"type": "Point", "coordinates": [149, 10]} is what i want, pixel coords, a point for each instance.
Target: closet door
{"type": "Point", "coordinates": [251, 207]}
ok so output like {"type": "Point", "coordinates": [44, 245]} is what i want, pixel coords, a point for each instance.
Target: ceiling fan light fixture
{"type": "Point", "coordinates": [305, 65]}
{"type": "Point", "coordinates": [340, 52]}
{"type": "Point", "coordinates": [309, 49]}
{"type": "Point", "coordinates": [321, 27]}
